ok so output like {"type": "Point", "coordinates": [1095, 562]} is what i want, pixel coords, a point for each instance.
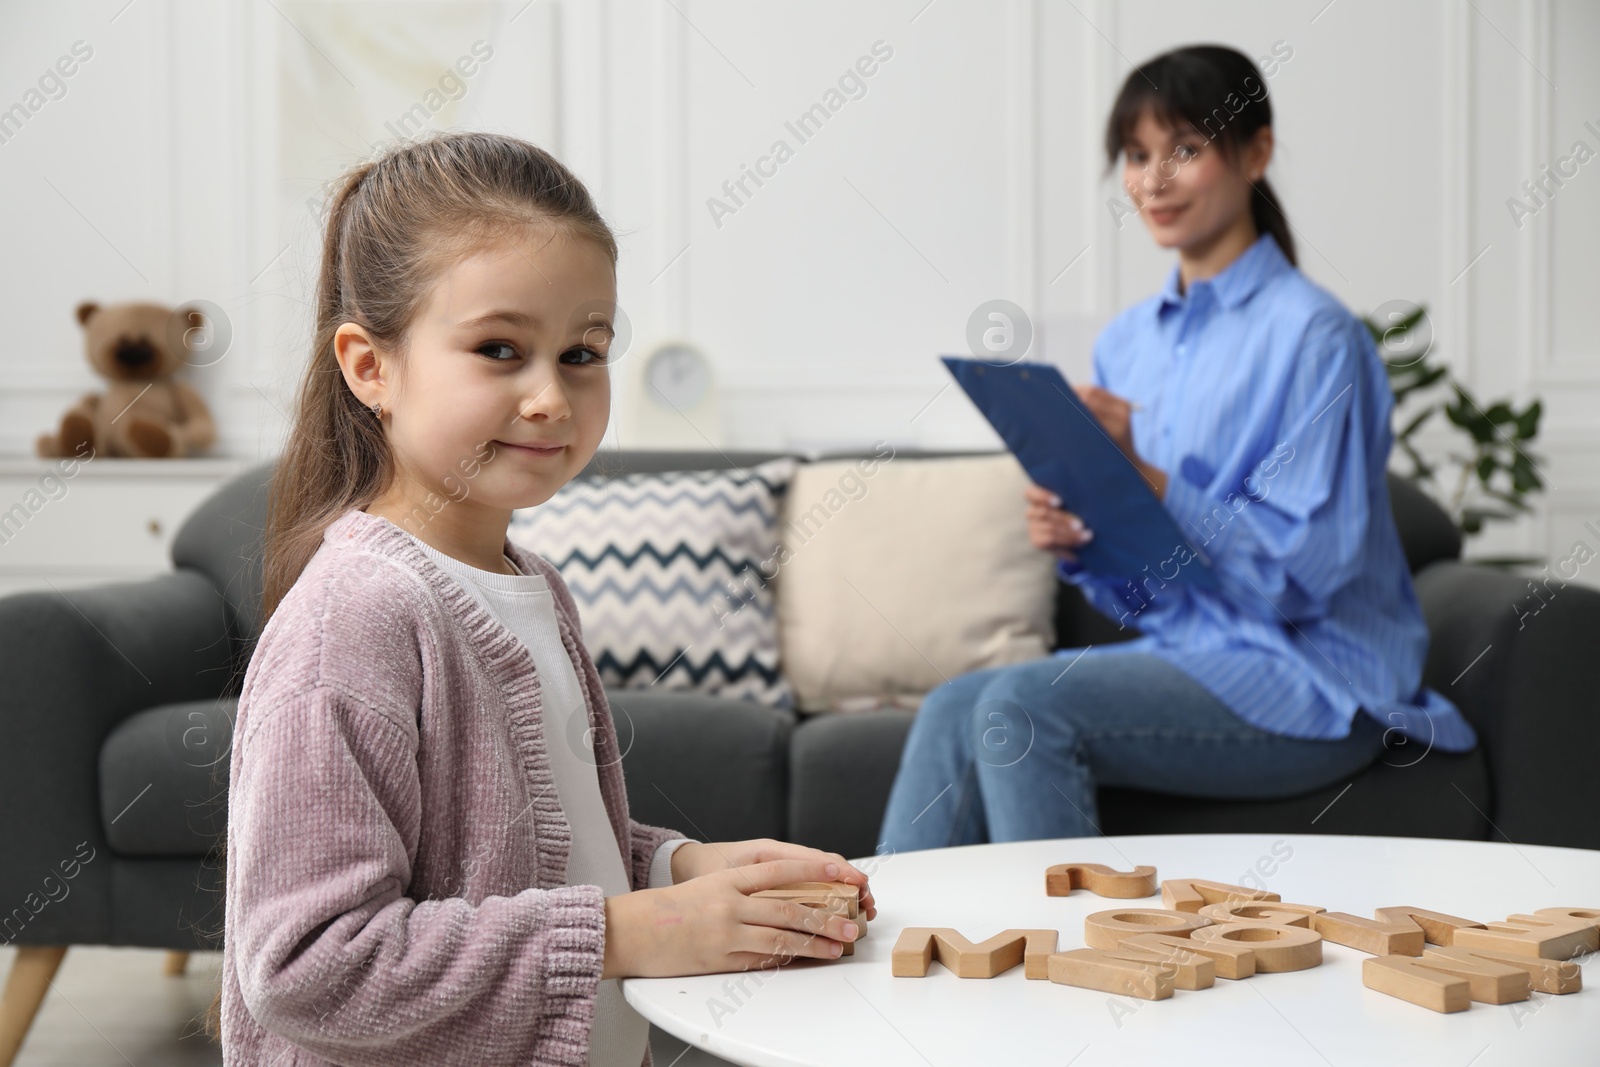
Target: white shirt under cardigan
{"type": "Point", "coordinates": [524, 605]}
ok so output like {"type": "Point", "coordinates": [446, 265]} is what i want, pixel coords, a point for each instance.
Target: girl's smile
{"type": "Point", "coordinates": [533, 450]}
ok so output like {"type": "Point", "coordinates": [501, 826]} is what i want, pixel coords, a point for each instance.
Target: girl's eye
{"type": "Point", "coordinates": [494, 345]}
{"type": "Point", "coordinates": [584, 357]}
{"type": "Point", "coordinates": [1185, 151]}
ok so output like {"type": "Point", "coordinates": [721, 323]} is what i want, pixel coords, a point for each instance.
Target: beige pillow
{"type": "Point", "coordinates": [895, 574]}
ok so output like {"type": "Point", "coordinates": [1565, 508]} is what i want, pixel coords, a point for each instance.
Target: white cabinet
{"type": "Point", "coordinates": [108, 520]}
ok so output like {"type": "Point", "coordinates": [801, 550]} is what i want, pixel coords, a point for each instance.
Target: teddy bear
{"type": "Point", "coordinates": [145, 412]}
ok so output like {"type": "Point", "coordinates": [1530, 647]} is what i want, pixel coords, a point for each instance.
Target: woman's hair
{"type": "Point", "coordinates": [1219, 92]}
{"type": "Point", "coordinates": [394, 224]}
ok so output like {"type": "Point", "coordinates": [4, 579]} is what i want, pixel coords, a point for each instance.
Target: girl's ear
{"type": "Point", "coordinates": [364, 366]}
{"type": "Point", "coordinates": [1258, 154]}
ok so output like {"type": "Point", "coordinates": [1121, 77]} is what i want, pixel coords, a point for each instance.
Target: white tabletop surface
{"type": "Point", "coordinates": [853, 1011]}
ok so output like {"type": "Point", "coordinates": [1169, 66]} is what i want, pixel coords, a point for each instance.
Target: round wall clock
{"type": "Point", "coordinates": [677, 376]}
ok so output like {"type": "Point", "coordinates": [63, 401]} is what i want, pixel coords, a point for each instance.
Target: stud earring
{"type": "Point", "coordinates": [377, 409]}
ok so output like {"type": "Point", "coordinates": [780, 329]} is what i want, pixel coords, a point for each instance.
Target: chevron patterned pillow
{"type": "Point", "coordinates": [671, 573]}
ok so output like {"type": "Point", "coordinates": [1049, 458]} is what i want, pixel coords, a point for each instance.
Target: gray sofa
{"type": "Point", "coordinates": [117, 706]}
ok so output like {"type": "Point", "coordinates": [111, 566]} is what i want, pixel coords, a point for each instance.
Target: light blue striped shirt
{"type": "Point", "coordinates": [1266, 404]}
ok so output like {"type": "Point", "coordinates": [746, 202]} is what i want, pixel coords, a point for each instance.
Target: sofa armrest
{"type": "Point", "coordinates": [73, 665]}
{"type": "Point", "coordinates": [1522, 668]}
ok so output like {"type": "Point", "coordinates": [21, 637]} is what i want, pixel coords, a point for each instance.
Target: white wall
{"type": "Point", "coordinates": [179, 162]}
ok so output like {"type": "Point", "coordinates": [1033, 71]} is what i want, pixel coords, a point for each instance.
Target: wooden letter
{"type": "Point", "coordinates": [1368, 935]}
{"type": "Point", "coordinates": [839, 898]}
{"type": "Point", "coordinates": [1277, 948]}
{"type": "Point", "coordinates": [1547, 976]}
{"type": "Point", "coordinates": [1090, 968]}
{"type": "Point", "coordinates": [836, 906]}
{"type": "Point", "coordinates": [1437, 927]}
{"type": "Point", "coordinates": [1404, 977]}
{"type": "Point", "coordinates": [913, 951]}
{"type": "Point", "coordinates": [919, 945]}
{"type": "Point", "coordinates": [1097, 878]}
{"type": "Point", "coordinates": [1489, 981]}
{"type": "Point", "coordinates": [1106, 929]}
{"type": "Point", "coordinates": [1228, 959]}
{"type": "Point", "coordinates": [1563, 917]}
{"type": "Point", "coordinates": [1551, 940]}
{"type": "Point", "coordinates": [1189, 969]}
{"type": "Point", "coordinates": [1588, 915]}
{"type": "Point", "coordinates": [1192, 894]}
{"type": "Point", "coordinates": [1248, 911]}
{"type": "Point", "coordinates": [816, 891]}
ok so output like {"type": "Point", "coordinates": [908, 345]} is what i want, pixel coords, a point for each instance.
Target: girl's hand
{"type": "Point", "coordinates": [1116, 418]}
{"type": "Point", "coordinates": [1050, 528]}
{"type": "Point", "coordinates": [712, 923]}
{"type": "Point", "coordinates": [696, 859]}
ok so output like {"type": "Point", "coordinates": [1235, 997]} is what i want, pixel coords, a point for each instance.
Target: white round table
{"type": "Point", "coordinates": [853, 1011]}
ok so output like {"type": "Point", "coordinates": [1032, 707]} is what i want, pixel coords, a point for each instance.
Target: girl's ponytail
{"type": "Point", "coordinates": [308, 491]}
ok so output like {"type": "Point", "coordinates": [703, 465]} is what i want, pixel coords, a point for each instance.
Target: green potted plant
{"type": "Point", "coordinates": [1492, 470]}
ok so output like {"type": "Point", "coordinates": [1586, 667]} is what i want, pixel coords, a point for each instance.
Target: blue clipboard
{"type": "Point", "coordinates": [1064, 448]}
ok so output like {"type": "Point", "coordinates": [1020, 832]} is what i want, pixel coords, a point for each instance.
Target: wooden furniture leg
{"type": "Point", "coordinates": [31, 972]}
{"type": "Point", "coordinates": [177, 964]}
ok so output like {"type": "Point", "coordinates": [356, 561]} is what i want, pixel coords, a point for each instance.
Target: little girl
{"type": "Point", "coordinates": [430, 858]}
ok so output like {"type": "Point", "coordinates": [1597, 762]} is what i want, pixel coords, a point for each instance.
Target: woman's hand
{"type": "Point", "coordinates": [1116, 418]}
{"type": "Point", "coordinates": [712, 923]}
{"type": "Point", "coordinates": [696, 859]}
{"type": "Point", "coordinates": [1050, 528]}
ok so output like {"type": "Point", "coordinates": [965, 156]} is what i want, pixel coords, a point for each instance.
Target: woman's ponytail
{"type": "Point", "coordinates": [1269, 218]}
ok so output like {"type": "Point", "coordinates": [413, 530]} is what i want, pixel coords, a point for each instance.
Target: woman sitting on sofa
{"type": "Point", "coordinates": [1256, 407]}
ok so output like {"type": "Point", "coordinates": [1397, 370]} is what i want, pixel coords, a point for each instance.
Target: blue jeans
{"type": "Point", "coordinates": [1016, 753]}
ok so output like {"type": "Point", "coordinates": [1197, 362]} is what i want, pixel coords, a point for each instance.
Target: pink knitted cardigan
{"type": "Point", "coordinates": [396, 849]}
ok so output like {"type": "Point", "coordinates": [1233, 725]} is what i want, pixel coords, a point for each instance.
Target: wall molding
{"type": "Point", "coordinates": [1456, 205]}
{"type": "Point", "coordinates": [672, 156]}
{"type": "Point", "coordinates": [1105, 289]}
{"type": "Point", "coordinates": [1023, 91]}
